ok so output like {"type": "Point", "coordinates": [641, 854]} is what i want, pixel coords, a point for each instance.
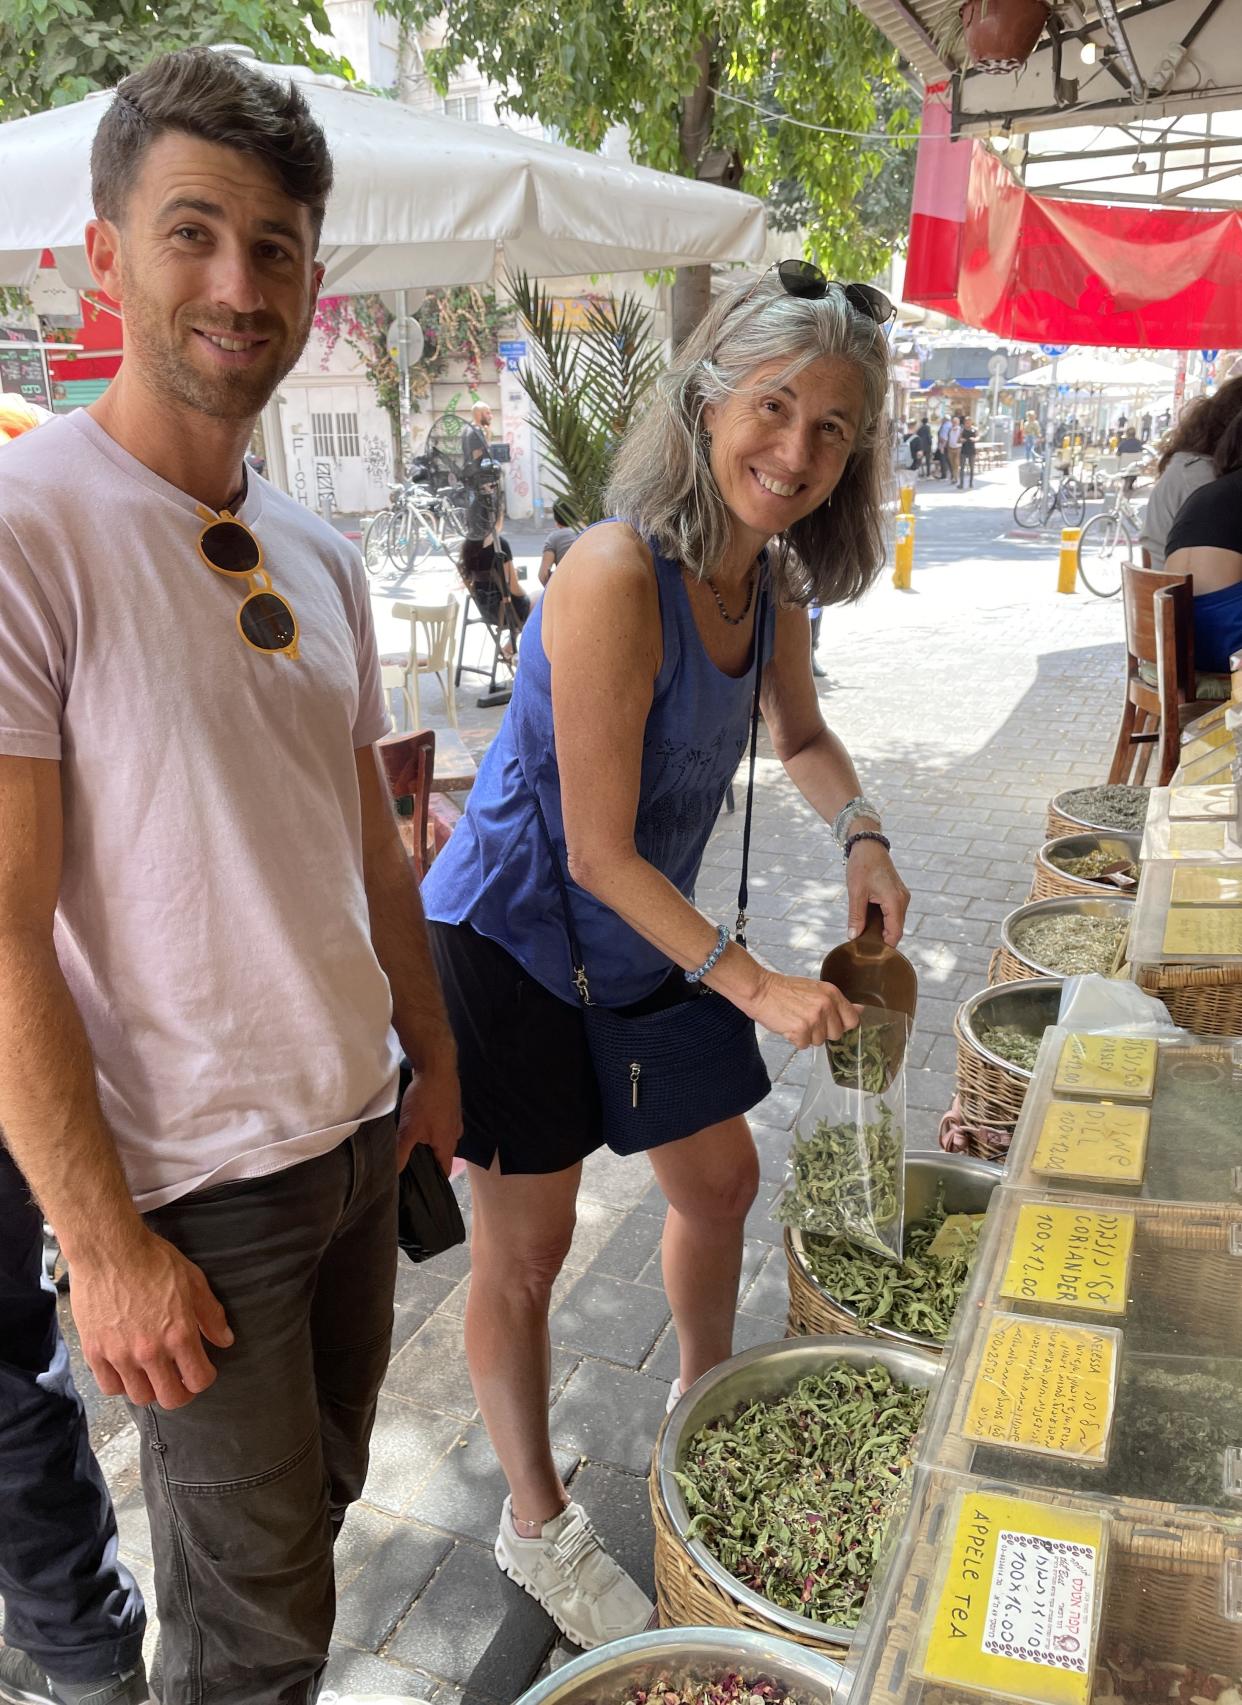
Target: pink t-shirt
{"type": "Point", "coordinates": [212, 923]}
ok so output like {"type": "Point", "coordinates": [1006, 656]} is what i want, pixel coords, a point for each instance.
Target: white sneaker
{"type": "Point", "coordinates": [590, 1597]}
{"type": "Point", "coordinates": [674, 1397]}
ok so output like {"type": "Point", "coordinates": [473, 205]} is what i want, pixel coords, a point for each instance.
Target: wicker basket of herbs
{"type": "Point", "coordinates": [1205, 999]}
{"type": "Point", "coordinates": [835, 1286]}
{"type": "Point", "coordinates": [1084, 864]}
{"type": "Point", "coordinates": [1063, 937]}
{"type": "Point", "coordinates": [998, 1034]}
{"type": "Point", "coordinates": [1112, 807]}
{"type": "Point", "coordinates": [1165, 1631]}
{"type": "Point", "coordinates": [749, 1449]}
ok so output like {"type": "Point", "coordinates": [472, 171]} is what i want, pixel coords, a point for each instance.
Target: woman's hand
{"type": "Point", "coordinates": [803, 1010]}
{"type": "Point", "coordinates": [871, 879]}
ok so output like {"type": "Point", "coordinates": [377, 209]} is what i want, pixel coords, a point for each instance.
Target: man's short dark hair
{"type": "Point", "coordinates": [218, 98]}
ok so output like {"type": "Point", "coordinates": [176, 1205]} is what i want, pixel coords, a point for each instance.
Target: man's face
{"type": "Point", "coordinates": [214, 267]}
{"type": "Point", "coordinates": [483, 418]}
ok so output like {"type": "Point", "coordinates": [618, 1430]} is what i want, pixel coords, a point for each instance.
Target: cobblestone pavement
{"type": "Point", "coordinates": [966, 702]}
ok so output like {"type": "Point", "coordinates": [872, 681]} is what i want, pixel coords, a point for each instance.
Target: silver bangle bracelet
{"type": "Point", "coordinates": [722, 941]}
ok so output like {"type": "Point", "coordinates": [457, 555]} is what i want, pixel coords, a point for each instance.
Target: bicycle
{"type": "Point", "coordinates": [1109, 540]}
{"type": "Point", "coordinates": [417, 521]}
{"type": "Point", "coordinates": [1035, 508]}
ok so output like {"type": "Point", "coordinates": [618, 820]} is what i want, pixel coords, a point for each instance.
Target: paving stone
{"type": "Point", "coordinates": [768, 1293]}
{"type": "Point", "coordinates": [374, 1602]}
{"type": "Point", "coordinates": [474, 1626]}
{"type": "Point", "coordinates": [620, 1511]}
{"type": "Point", "coordinates": [464, 1493]}
{"type": "Point", "coordinates": [431, 1370]}
{"type": "Point", "coordinates": [633, 1244]}
{"type": "Point", "coordinates": [750, 1330]}
{"type": "Point", "coordinates": [353, 1672]}
{"type": "Point", "coordinates": [618, 1181]}
{"type": "Point", "coordinates": [610, 1318]}
{"type": "Point", "coordinates": [365, 1530]}
{"type": "Point", "coordinates": [596, 1226]}
{"type": "Point", "coordinates": [406, 1445]}
{"type": "Point", "coordinates": [609, 1414]}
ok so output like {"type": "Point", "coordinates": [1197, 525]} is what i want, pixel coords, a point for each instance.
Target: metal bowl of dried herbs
{"type": "Point", "coordinates": [1113, 805]}
{"type": "Point", "coordinates": [1090, 864]}
{"type": "Point", "coordinates": [1065, 937]}
{"type": "Point", "coordinates": [775, 1478]}
{"type": "Point", "coordinates": [692, 1666]}
{"type": "Point", "coordinates": [1006, 1023]}
{"type": "Point", "coordinates": [835, 1286]}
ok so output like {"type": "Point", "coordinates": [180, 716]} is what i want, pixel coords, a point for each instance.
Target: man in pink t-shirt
{"type": "Point", "coordinates": [209, 934]}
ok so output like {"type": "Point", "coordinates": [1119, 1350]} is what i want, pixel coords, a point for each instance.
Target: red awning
{"type": "Point", "coordinates": [990, 253]}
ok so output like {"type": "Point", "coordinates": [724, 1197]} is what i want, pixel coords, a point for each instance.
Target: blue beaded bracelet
{"type": "Point", "coordinates": [722, 941]}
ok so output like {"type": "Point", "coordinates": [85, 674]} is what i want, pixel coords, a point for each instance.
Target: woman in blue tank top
{"type": "Point", "coordinates": [753, 482]}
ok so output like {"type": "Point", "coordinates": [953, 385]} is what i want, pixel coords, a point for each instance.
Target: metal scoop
{"type": "Point", "coordinates": [870, 973]}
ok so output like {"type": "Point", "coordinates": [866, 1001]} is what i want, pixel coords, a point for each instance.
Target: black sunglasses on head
{"type": "Point", "coordinates": [802, 278]}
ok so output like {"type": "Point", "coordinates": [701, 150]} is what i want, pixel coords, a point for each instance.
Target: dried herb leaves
{"type": "Point", "coordinates": [792, 1494]}
{"type": "Point", "coordinates": [844, 1180]}
{"type": "Point", "coordinates": [1071, 942]}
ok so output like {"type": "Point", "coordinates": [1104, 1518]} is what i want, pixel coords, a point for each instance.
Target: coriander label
{"type": "Point", "coordinates": [1075, 1257]}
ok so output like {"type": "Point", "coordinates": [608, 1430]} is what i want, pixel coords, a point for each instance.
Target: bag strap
{"type": "Point", "coordinates": [739, 932]}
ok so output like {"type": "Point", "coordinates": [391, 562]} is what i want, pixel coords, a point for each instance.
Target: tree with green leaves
{"type": "Point", "coordinates": [56, 51]}
{"type": "Point", "coordinates": [787, 88]}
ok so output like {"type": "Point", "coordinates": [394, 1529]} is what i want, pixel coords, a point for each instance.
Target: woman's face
{"type": "Point", "coordinates": [778, 449]}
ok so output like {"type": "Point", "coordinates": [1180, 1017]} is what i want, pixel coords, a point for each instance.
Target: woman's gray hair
{"type": "Point", "coordinates": [662, 482]}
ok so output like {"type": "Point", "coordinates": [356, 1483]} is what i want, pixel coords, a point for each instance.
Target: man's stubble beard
{"type": "Point", "coordinates": [236, 395]}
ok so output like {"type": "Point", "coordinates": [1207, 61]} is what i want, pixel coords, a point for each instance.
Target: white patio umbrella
{"type": "Point", "coordinates": [1092, 372]}
{"type": "Point", "coordinates": [419, 199]}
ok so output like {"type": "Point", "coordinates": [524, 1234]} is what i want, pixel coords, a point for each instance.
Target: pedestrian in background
{"type": "Point", "coordinates": [558, 540]}
{"type": "Point", "coordinates": [967, 474]}
{"type": "Point", "coordinates": [953, 449]}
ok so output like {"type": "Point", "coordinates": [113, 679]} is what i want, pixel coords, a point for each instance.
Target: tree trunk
{"type": "Point", "coordinates": [692, 287]}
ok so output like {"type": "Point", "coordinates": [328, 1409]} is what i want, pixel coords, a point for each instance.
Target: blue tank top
{"type": "Point", "coordinates": [495, 872]}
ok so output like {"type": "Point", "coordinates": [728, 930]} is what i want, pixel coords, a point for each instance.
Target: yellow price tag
{"type": "Point", "coordinates": [1045, 1387]}
{"type": "Point", "coordinates": [1016, 1606]}
{"type": "Point", "coordinates": [1214, 932]}
{"type": "Point", "coordinates": [1207, 885]}
{"type": "Point", "coordinates": [1076, 1257]}
{"type": "Point", "coordinates": [1196, 838]}
{"type": "Point", "coordinates": [1094, 1140]}
{"type": "Point", "coordinates": [1107, 1065]}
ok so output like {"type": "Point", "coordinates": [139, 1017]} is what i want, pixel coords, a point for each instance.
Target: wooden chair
{"type": "Point", "coordinates": [1162, 688]}
{"type": "Point", "coordinates": [433, 629]}
{"type": "Point", "coordinates": [409, 763]}
{"type": "Point", "coordinates": [392, 680]}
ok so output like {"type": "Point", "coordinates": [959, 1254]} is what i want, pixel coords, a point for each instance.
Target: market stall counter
{"type": "Point", "coordinates": [995, 1593]}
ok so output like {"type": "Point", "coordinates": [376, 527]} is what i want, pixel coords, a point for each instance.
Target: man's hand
{"type": "Point", "coordinates": [142, 1315]}
{"type": "Point", "coordinates": [431, 1113]}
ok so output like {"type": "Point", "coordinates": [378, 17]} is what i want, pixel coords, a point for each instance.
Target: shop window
{"type": "Point", "coordinates": [321, 433]}
{"type": "Point", "coordinates": [347, 436]}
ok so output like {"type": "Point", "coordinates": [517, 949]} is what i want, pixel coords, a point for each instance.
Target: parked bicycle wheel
{"type": "Point", "coordinates": [1029, 510]}
{"type": "Point", "coordinates": [1073, 500]}
{"type": "Point", "coordinates": [403, 531]}
{"type": "Point", "coordinates": [375, 544]}
{"type": "Point", "coordinates": [1106, 543]}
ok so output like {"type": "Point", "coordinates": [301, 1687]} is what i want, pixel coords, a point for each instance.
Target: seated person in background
{"type": "Point", "coordinates": [1129, 444]}
{"type": "Point", "coordinates": [1186, 464]}
{"type": "Point", "coordinates": [1205, 542]}
{"type": "Point", "coordinates": [558, 540]}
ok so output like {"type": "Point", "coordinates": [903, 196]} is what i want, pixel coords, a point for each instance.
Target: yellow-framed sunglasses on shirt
{"type": "Point", "coordinates": [265, 620]}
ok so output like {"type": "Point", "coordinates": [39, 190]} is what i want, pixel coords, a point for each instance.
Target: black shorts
{"type": "Point", "coordinates": [528, 1086]}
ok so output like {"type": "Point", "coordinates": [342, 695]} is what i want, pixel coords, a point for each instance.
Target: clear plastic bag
{"type": "Point", "coordinates": [846, 1168]}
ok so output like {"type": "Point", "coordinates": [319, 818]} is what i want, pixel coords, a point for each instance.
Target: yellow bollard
{"type": "Point", "coordinates": [1067, 570]}
{"type": "Point", "coordinates": [903, 557]}
{"type": "Point", "coordinates": [906, 500]}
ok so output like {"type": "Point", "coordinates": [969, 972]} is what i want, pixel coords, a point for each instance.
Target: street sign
{"type": "Point", "coordinates": [1209, 355]}
{"type": "Point", "coordinates": [512, 352]}
{"type": "Point", "coordinates": [1054, 349]}
{"type": "Point", "coordinates": [998, 365]}
{"type": "Point", "coordinates": [406, 340]}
